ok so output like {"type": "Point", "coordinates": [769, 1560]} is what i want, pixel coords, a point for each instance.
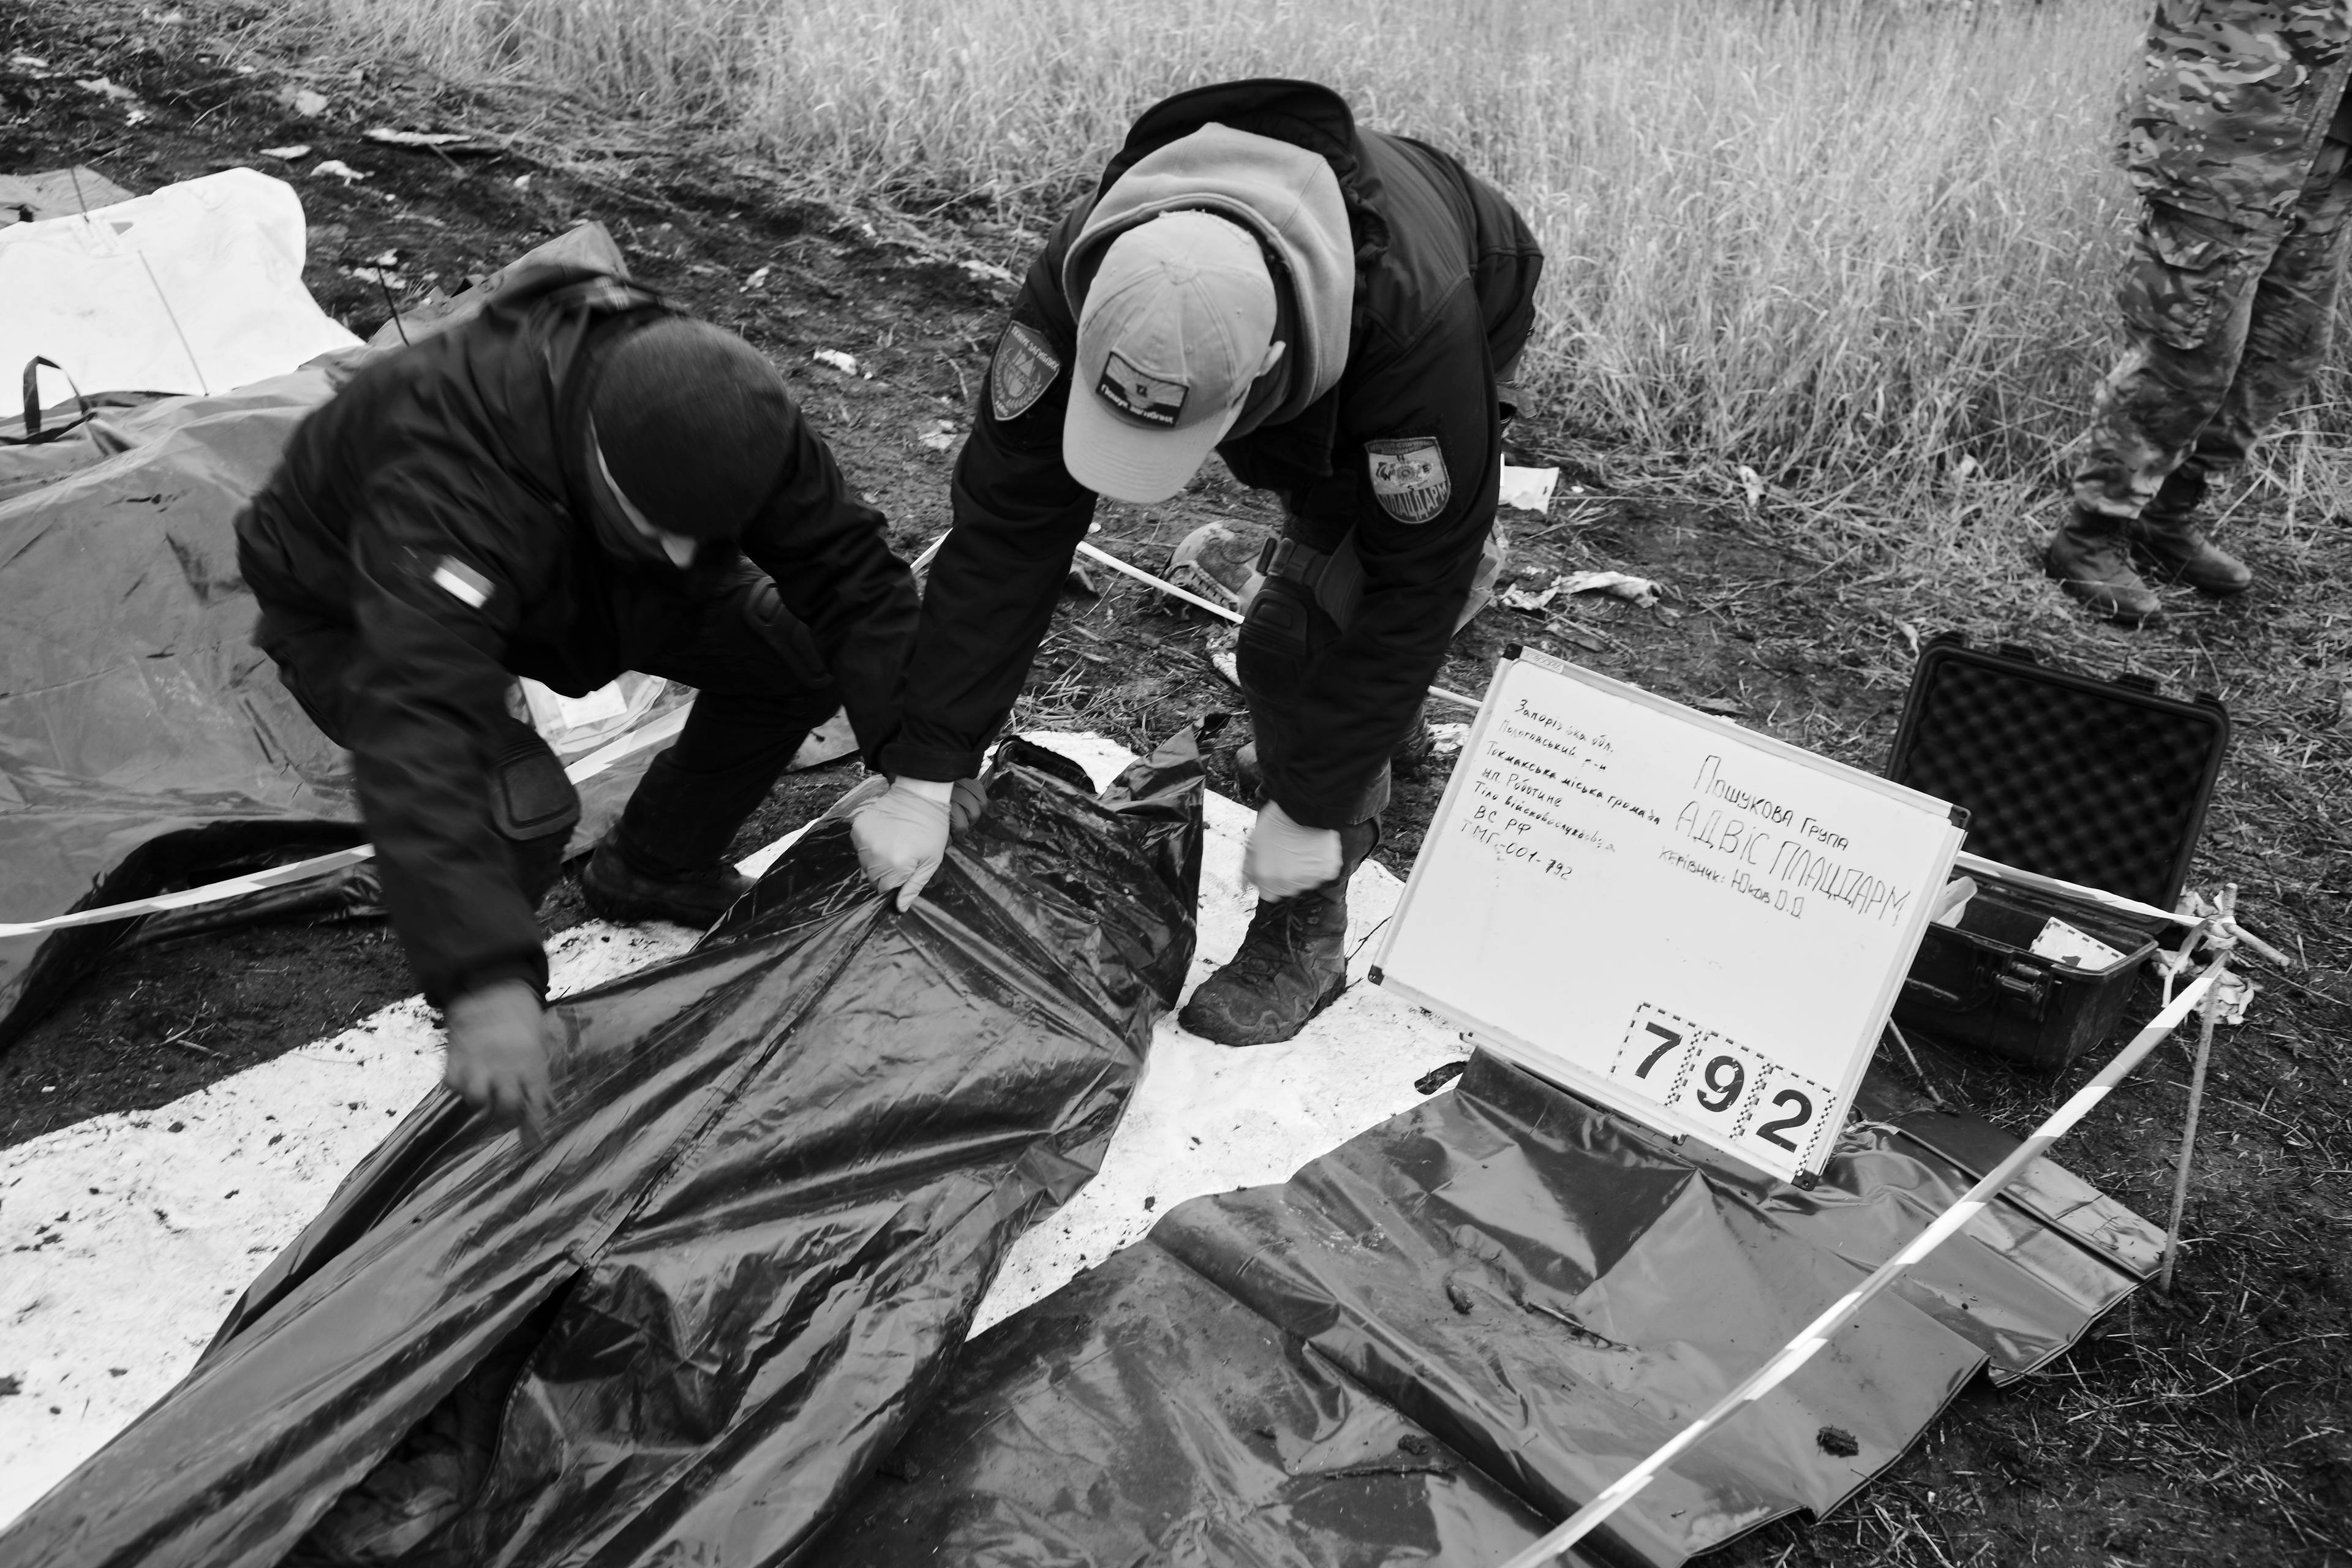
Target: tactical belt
{"type": "Point", "coordinates": [1288, 558]}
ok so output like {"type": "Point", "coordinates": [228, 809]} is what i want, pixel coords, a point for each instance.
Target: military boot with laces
{"type": "Point", "coordinates": [1292, 964]}
{"type": "Point", "coordinates": [2179, 548]}
{"type": "Point", "coordinates": [2088, 557]}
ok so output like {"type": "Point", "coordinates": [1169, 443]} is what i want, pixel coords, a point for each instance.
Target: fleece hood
{"type": "Point", "coordinates": [1285, 193]}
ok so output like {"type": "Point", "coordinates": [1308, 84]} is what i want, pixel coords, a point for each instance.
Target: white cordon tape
{"type": "Point", "coordinates": [1815, 1336]}
{"type": "Point", "coordinates": [662, 728]}
{"type": "Point", "coordinates": [1141, 575]}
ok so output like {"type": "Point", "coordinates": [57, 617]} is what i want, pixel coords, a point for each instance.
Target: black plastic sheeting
{"type": "Point", "coordinates": [145, 744]}
{"type": "Point", "coordinates": [1456, 1328]}
{"type": "Point", "coordinates": [783, 1170]}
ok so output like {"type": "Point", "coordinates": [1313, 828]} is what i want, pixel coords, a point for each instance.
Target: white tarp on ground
{"type": "Point", "coordinates": [137, 1231]}
{"type": "Point", "coordinates": [197, 288]}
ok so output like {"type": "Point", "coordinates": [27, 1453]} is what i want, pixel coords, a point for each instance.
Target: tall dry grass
{"type": "Point", "coordinates": [1838, 241]}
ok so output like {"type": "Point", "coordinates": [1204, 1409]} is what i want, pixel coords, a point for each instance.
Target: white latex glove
{"type": "Point", "coordinates": [901, 835]}
{"type": "Point", "coordinates": [1284, 859]}
{"type": "Point", "coordinates": [498, 1054]}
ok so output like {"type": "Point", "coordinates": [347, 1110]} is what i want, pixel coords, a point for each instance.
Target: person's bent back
{"type": "Point", "coordinates": [576, 483]}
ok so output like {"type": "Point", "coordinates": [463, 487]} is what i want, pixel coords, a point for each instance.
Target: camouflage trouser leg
{"type": "Point", "coordinates": [2224, 329]}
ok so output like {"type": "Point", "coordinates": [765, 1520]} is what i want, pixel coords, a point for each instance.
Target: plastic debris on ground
{"type": "Point", "coordinates": [844, 362]}
{"type": "Point", "coordinates": [784, 1169]}
{"type": "Point", "coordinates": [1616, 584]}
{"type": "Point", "coordinates": [445, 141]}
{"type": "Point", "coordinates": [1218, 561]}
{"type": "Point", "coordinates": [1223, 653]}
{"type": "Point", "coordinates": [1527, 490]}
{"type": "Point", "coordinates": [1458, 1326]}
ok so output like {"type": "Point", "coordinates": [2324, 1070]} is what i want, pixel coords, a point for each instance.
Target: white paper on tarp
{"type": "Point", "coordinates": [570, 725]}
{"type": "Point", "coordinates": [197, 288]}
{"type": "Point", "coordinates": [1698, 925]}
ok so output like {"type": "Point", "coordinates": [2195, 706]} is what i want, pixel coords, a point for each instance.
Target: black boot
{"type": "Point", "coordinates": [2180, 550]}
{"type": "Point", "coordinates": [617, 886]}
{"type": "Point", "coordinates": [1291, 965]}
{"type": "Point", "coordinates": [2087, 557]}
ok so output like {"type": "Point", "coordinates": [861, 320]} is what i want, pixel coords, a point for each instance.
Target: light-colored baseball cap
{"type": "Point", "coordinates": [1176, 327]}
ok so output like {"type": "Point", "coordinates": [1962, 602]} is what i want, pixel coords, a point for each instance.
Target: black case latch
{"type": "Point", "coordinates": [2028, 985]}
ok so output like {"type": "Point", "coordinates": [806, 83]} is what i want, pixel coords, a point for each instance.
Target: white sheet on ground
{"type": "Point", "coordinates": [141, 1228]}
{"type": "Point", "coordinates": [197, 288]}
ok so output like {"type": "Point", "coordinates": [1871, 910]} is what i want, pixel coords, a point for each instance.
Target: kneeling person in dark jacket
{"type": "Point", "coordinates": [575, 483]}
{"type": "Point", "coordinates": [1338, 313]}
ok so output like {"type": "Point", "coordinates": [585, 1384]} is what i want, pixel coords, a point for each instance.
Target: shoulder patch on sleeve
{"type": "Point", "coordinates": [462, 582]}
{"type": "Point", "coordinates": [1024, 366]}
{"type": "Point", "coordinates": [1409, 477]}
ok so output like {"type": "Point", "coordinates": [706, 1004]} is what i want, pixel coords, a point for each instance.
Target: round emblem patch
{"type": "Point", "coordinates": [1409, 477]}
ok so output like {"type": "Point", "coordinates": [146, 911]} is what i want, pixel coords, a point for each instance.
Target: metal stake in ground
{"type": "Point", "coordinates": [2211, 1014]}
{"type": "Point", "coordinates": [1816, 1334]}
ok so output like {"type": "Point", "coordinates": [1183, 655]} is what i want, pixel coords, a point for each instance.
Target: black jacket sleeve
{"type": "Point", "coordinates": [831, 561]}
{"type": "Point", "coordinates": [1358, 693]}
{"type": "Point", "coordinates": [1018, 517]}
{"type": "Point", "coordinates": [427, 693]}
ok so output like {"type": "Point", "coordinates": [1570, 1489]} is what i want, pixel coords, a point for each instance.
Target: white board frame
{"type": "Point", "coordinates": [1947, 830]}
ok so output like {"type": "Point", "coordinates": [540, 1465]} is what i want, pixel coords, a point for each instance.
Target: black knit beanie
{"type": "Point", "coordinates": [694, 424]}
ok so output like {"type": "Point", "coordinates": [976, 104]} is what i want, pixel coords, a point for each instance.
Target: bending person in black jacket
{"type": "Point", "coordinates": [575, 483]}
{"type": "Point", "coordinates": [1338, 314]}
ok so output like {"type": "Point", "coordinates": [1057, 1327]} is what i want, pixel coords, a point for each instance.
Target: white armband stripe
{"type": "Point", "coordinates": [462, 582]}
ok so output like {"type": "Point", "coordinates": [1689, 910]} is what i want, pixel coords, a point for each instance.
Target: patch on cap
{"type": "Point", "coordinates": [1138, 395]}
{"type": "Point", "coordinates": [1409, 477]}
{"type": "Point", "coordinates": [1024, 366]}
{"type": "Point", "coordinates": [462, 582]}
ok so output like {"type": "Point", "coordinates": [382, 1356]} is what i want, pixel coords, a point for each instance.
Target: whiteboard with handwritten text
{"type": "Point", "coordinates": [1699, 925]}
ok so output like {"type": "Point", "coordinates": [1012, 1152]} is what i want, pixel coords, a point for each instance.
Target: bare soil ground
{"type": "Point", "coordinates": [2211, 1426]}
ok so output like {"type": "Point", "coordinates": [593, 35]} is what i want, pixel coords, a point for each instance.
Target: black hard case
{"type": "Point", "coordinates": [2103, 783]}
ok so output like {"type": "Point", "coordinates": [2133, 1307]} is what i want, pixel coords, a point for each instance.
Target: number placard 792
{"type": "Point", "coordinates": [1703, 1082]}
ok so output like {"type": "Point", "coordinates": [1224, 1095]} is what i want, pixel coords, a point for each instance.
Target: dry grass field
{"type": "Point", "coordinates": [1829, 237]}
